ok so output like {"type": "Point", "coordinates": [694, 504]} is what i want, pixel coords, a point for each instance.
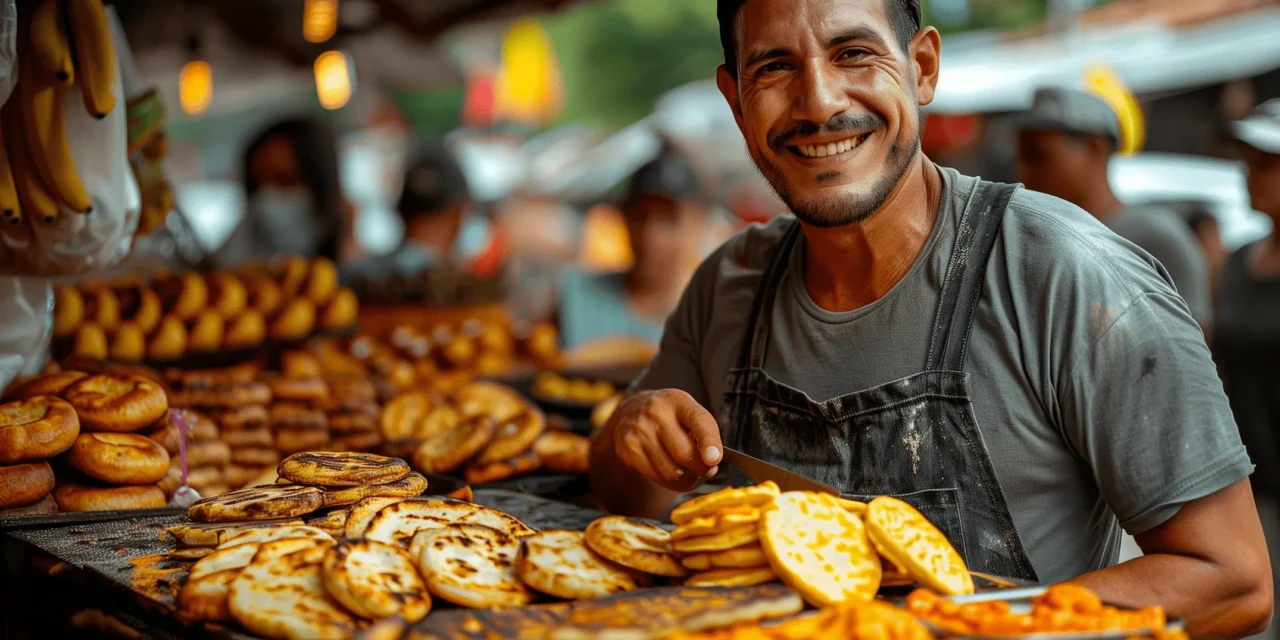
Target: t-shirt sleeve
{"type": "Point", "coordinates": [677, 364]}
{"type": "Point", "coordinates": [1175, 249]}
{"type": "Point", "coordinates": [1144, 407]}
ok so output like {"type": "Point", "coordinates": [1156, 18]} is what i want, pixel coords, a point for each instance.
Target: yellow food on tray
{"type": "Point", "coordinates": [905, 537]}
{"type": "Point", "coordinates": [1061, 608]}
{"type": "Point", "coordinates": [553, 386]}
{"type": "Point", "coordinates": [820, 549]}
{"type": "Point", "coordinates": [855, 621]}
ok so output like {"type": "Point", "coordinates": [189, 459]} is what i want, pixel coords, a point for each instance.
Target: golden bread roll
{"type": "Point", "coordinates": [37, 428]}
{"type": "Point", "coordinates": [300, 364]}
{"type": "Point", "coordinates": [119, 458]}
{"type": "Point", "coordinates": [149, 311]}
{"type": "Point", "coordinates": [183, 296]}
{"type": "Point", "coordinates": [90, 342]}
{"type": "Point", "coordinates": [68, 311]}
{"type": "Point", "coordinates": [266, 296]}
{"type": "Point", "coordinates": [108, 402]}
{"type": "Point", "coordinates": [103, 307]}
{"type": "Point", "coordinates": [228, 295]}
{"type": "Point", "coordinates": [342, 311]}
{"type": "Point", "coordinates": [295, 322]}
{"type": "Point", "coordinates": [249, 329]}
{"type": "Point", "coordinates": [46, 506]}
{"type": "Point", "coordinates": [129, 344]}
{"type": "Point", "coordinates": [24, 484]}
{"type": "Point", "coordinates": [75, 497]}
{"type": "Point", "coordinates": [169, 342]}
{"type": "Point", "coordinates": [322, 281]}
{"type": "Point", "coordinates": [49, 384]}
{"type": "Point", "coordinates": [206, 332]}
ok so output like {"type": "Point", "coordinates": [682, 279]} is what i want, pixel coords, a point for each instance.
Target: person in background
{"type": "Point", "coordinates": [666, 218]}
{"type": "Point", "coordinates": [295, 202]}
{"type": "Point", "coordinates": [1247, 326]}
{"type": "Point", "coordinates": [1208, 232]}
{"type": "Point", "coordinates": [1064, 149]}
{"type": "Point", "coordinates": [435, 205]}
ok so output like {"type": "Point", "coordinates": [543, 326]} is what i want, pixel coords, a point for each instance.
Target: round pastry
{"type": "Point", "coordinates": [74, 497]}
{"type": "Point", "coordinates": [291, 273]}
{"type": "Point", "coordinates": [236, 395]}
{"type": "Point", "coordinates": [119, 458]}
{"type": "Point", "coordinates": [364, 441]}
{"type": "Point", "coordinates": [298, 389]}
{"type": "Point", "coordinates": [129, 343]}
{"type": "Point", "coordinates": [212, 378]}
{"type": "Point", "coordinates": [204, 475]}
{"type": "Point", "coordinates": [204, 429]}
{"type": "Point", "coordinates": [91, 342]}
{"type": "Point", "coordinates": [295, 321]}
{"type": "Point", "coordinates": [266, 296]}
{"type": "Point", "coordinates": [352, 391]}
{"type": "Point", "coordinates": [117, 403]}
{"type": "Point", "coordinates": [35, 429]}
{"type": "Point", "coordinates": [24, 484]}
{"type": "Point", "coordinates": [46, 506]}
{"type": "Point", "coordinates": [259, 437]}
{"type": "Point", "coordinates": [322, 281]}
{"type": "Point", "coordinates": [49, 384]}
{"type": "Point", "coordinates": [103, 307]}
{"type": "Point", "coordinates": [208, 454]}
{"type": "Point", "coordinates": [206, 332]}
{"type": "Point", "coordinates": [168, 436]}
{"type": "Point", "coordinates": [169, 341]}
{"type": "Point", "coordinates": [300, 364]}
{"type": "Point", "coordinates": [238, 476]}
{"type": "Point", "coordinates": [68, 311]}
{"type": "Point", "coordinates": [295, 440]}
{"type": "Point", "coordinates": [251, 416]}
{"type": "Point", "coordinates": [255, 456]}
{"type": "Point", "coordinates": [341, 311]}
{"type": "Point", "coordinates": [286, 415]}
{"type": "Point", "coordinates": [249, 329]}
{"type": "Point", "coordinates": [348, 423]}
{"type": "Point", "coordinates": [228, 294]}
{"type": "Point", "coordinates": [185, 296]}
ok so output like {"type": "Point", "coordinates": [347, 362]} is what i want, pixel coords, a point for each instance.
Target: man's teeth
{"type": "Point", "coordinates": [829, 149]}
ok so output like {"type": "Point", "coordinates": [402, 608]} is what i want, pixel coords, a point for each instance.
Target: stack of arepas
{"type": "Point", "coordinates": [97, 423]}
{"type": "Point", "coordinates": [487, 430]}
{"type": "Point", "coordinates": [192, 313]}
{"type": "Point", "coordinates": [350, 403]}
{"type": "Point", "coordinates": [237, 403]}
{"type": "Point", "coordinates": [297, 421]}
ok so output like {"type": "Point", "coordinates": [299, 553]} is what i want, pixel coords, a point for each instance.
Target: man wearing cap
{"type": "Point", "coordinates": [1247, 330]}
{"type": "Point", "coordinates": [1064, 149]}
{"type": "Point", "coordinates": [666, 219]}
{"type": "Point", "coordinates": [992, 355]}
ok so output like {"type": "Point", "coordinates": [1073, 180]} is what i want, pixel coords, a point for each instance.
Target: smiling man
{"type": "Point", "coordinates": [994, 356]}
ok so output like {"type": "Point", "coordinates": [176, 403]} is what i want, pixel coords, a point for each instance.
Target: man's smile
{"type": "Point", "coordinates": [828, 149]}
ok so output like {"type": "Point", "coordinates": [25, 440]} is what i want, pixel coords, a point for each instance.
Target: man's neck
{"type": "Point", "coordinates": [852, 266]}
{"type": "Point", "coordinates": [1101, 203]}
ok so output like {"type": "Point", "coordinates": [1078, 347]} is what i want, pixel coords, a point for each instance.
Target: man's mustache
{"type": "Point", "coordinates": [845, 122]}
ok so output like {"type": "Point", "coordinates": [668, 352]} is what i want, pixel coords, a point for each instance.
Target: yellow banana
{"type": "Point", "coordinates": [95, 55]}
{"type": "Point", "coordinates": [9, 205]}
{"type": "Point", "coordinates": [36, 201]}
{"type": "Point", "coordinates": [42, 107]}
{"type": "Point", "coordinates": [49, 48]}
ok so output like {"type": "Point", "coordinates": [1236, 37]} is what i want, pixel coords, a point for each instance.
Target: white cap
{"type": "Point", "coordinates": [1261, 129]}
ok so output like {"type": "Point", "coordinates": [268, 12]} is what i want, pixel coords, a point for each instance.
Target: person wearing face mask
{"type": "Point", "coordinates": [295, 202]}
{"type": "Point", "coordinates": [666, 220]}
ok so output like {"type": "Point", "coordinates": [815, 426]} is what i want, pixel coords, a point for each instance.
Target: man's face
{"type": "Point", "coordinates": [1052, 162]}
{"type": "Point", "coordinates": [829, 102]}
{"type": "Point", "coordinates": [1264, 181]}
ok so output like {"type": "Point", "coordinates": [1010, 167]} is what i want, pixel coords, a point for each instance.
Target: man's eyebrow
{"type": "Point", "coordinates": [858, 33]}
{"type": "Point", "coordinates": [768, 54]}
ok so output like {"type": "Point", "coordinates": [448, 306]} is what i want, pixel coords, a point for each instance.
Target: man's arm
{"type": "Point", "coordinates": [1208, 565]}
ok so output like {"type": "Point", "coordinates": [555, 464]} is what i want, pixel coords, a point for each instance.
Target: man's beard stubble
{"type": "Point", "coordinates": [841, 210]}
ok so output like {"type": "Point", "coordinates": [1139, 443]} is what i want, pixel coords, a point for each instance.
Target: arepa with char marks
{"type": "Point", "coordinates": [559, 563]}
{"type": "Point", "coordinates": [397, 523]}
{"type": "Point", "coordinates": [362, 512]}
{"type": "Point", "coordinates": [634, 544]}
{"type": "Point", "coordinates": [271, 501]}
{"type": "Point", "coordinates": [375, 580]}
{"type": "Point", "coordinates": [515, 436]}
{"type": "Point", "coordinates": [471, 566]}
{"type": "Point", "coordinates": [342, 469]}
{"type": "Point", "coordinates": [731, 577]}
{"type": "Point", "coordinates": [282, 596]}
{"type": "Point", "coordinates": [450, 449]}
{"type": "Point", "coordinates": [271, 534]}
{"type": "Point", "coordinates": [407, 487]}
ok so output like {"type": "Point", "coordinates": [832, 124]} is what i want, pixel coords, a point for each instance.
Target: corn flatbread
{"type": "Point", "coordinates": [852, 506]}
{"type": "Point", "coordinates": [735, 536]}
{"type": "Point", "coordinates": [375, 580]}
{"type": "Point", "coordinates": [452, 448]}
{"type": "Point", "coordinates": [471, 566]}
{"type": "Point", "coordinates": [260, 536]}
{"type": "Point", "coordinates": [204, 534]}
{"type": "Point", "coordinates": [283, 596]}
{"type": "Point", "coordinates": [237, 557]}
{"type": "Point", "coordinates": [500, 402]}
{"type": "Point", "coordinates": [563, 452]}
{"type": "Point", "coordinates": [634, 544]}
{"type": "Point", "coordinates": [362, 513]}
{"type": "Point", "coordinates": [411, 485]}
{"type": "Point", "coordinates": [341, 469]}
{"type": "Point", "coordinates": [712, 503]}
{"type": "Point", "coordinates": [744, 557]}
{"type": "Point", "coordinates": [485, 473]}
{"type": "Point", "coordinates": [708, 525]}
{"type": "Point", "coordinates": [396, 524]}
{"type": "Point", "coordinates": [205, 598]}
{"type": "Point", "coordinates": [731, 577]}
{"type": "Point", "coordinates": [514, 436]}
{"type": "Point", "coordinates": [403, 416]}
{"type": "Point", "coordinates": [909, 540]}
{"type": "Point", "coordinates": [333, 523]}
{"type": "Point", "coordinates": [258, 503]}
{"type": "Point", "coordinates": [819, 549]}
{"type": "Point", "coordinates": [650, 615]}
{"type": "Point", "coordinates": [560, 563]}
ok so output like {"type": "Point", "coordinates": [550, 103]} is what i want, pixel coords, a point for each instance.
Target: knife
{"type": "Point", "coordinates": [758, 470]}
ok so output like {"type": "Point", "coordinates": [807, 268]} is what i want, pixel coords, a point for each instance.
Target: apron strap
{"type": "Point", "coordinates": [962, 286]}
{"type": "Point", "coordinates": [761, 317]}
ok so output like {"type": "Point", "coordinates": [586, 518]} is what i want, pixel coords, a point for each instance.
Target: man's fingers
{"type": "Point", "coordinates": [705, 430]}
{"type": "Point", "coordinates": [669, 474]}
{"type": "Point", "coordinates": [682, 447]}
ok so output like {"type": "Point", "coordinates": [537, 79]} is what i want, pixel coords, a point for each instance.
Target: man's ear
{"type": "Point", "coordinates": [926, 58]}
{"type": "Point", "coordinates": [729, 89]}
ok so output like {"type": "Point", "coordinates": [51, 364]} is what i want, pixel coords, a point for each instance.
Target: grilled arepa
{"type": "Point", "coordinates": [471, 566]}
{"type": "Point", "coordinates": [341, 469]}
{"type": "Point", "coordinates": [411, 485]}
{"type": "Point", "coordinates": [559, 563]}
{"type": "Point", "coordinates": [634, 544]}
{"type": "Point", "coordinates": [281, 595]}
{"type": "Point", "coordinates": [258, 503]}
{"type": "Point", "coordinates": [397, 523]}
{"type": "Point", "coordinates": [375, 580]}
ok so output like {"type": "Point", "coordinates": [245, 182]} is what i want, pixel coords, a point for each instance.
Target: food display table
{"type": "Point", "coordinates": [57, 577]}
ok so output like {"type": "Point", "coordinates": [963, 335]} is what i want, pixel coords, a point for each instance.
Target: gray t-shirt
{"type": "Point", "coordinates": [1162, 233]}
{"type": "Point", "coordinates": [1091, 382]}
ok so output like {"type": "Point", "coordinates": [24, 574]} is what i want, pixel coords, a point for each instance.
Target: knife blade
{"type": "Point", "coordinates": [758, 470]}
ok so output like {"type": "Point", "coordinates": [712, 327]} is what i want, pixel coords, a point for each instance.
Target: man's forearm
{"type": "Point", "coordinates": [1213, 601]}
{"type": "Point", "coordinates": [620, 489]}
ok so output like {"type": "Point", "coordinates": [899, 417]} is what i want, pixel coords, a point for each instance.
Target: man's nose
{"type": "Point", "coordinates": [821, 94]}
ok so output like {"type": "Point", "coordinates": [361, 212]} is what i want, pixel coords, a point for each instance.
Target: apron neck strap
{"type": "Point", "coordinates": [761, 317]}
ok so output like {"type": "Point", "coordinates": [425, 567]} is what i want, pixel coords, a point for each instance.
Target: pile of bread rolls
{"type": "Point", "coordinates": [90, 426]}
{"type": "Point", "coordinates": [236, 400]}
{"type": "Point", "coordinates": [207, 454]}
{"type": "Point", "coordinates": [171, 316]}
{"type": "Point", "coordinates": [350, 405]}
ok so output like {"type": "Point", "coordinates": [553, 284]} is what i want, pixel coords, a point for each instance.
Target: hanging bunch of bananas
{"type": "Point", "coordinates": [64, 46]}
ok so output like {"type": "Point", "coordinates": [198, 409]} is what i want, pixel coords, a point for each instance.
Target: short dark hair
{"type": "Point", "coordinates": [904, 17]}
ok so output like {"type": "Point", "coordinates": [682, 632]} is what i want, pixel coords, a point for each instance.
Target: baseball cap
{"type": "Point", "coordinates": [1261, 129]}
{"type": "Point", "coordinates": [667, 176]}
{"type": "Point", "coordinates": [1071, 111]}
{"type": "Point", "coordinates": [433, 181]}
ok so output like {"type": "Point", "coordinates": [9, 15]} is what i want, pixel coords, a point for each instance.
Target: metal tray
{"type": "Point", "coordinates": [15, 523]}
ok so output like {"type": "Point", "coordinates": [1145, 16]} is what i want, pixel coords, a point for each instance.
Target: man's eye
{"type": "Point", "coordinates": [852, 54]}
{"type": "Point", "coordinates": [774, 66]}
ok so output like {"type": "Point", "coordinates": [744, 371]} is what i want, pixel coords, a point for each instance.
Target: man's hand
{"type": "Point", "coordinates": [667, 437]}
